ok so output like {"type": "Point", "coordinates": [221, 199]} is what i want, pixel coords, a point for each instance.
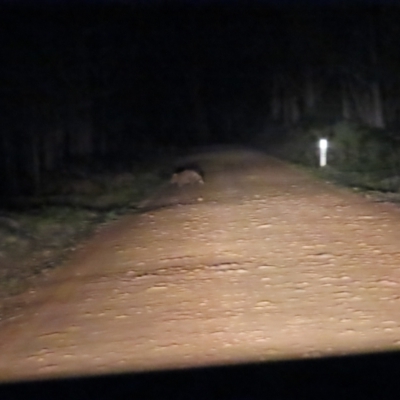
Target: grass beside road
{"type": "Point", "coordinates": [37, 234]}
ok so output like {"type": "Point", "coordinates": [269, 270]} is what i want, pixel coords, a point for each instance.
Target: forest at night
{"type": "Point", "coordinates": [103, 83]}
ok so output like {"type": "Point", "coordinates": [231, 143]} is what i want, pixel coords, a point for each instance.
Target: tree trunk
{"type": "Point", "coordinates": [294, 110]}
{"type": "Point", "coordinates": [376, 116]}
{"type": "Point", "coordinates": [291, 111]}
{"type": "Point", "coordinates": [10, 165]}
{"type": "Point", "coordinates": [309, 91]}
{"type": "Point", "coordinates": [346, 103]}
{"type": "Point", "coordinates": [200, 115]}
{"type": "Point", "coordinates": [361, 103]}
{"type": "Point", "coordinates": [276, 100]}
{"type": "Point", "coordinates": [36, 167]}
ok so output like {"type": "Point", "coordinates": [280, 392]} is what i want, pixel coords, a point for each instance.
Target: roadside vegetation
{"type": "Point", "coordinates": [361, 157]}
{"type": "Point", "coordinates": [38, 233]}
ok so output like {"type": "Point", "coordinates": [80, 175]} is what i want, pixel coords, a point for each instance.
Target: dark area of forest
{"type": "Point", "coordinates": [103, 87]}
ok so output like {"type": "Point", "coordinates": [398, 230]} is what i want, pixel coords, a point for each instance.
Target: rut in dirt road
{"type": "Point", "coordinates": [260, 262]}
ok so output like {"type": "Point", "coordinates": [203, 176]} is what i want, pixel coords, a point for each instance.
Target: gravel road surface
{"type": "Point", "coordinates": [262, 262]}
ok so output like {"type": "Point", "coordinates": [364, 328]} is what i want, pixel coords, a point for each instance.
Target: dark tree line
{"type": "Point", "coordinates": [115, 84]}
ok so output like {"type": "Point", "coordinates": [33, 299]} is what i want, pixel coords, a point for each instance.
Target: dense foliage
{"type": "Point", "coordinates": [112, 85]}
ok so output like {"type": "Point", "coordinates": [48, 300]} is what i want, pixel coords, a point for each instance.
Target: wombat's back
{"type": "Point", "coordinates": [187, 177]}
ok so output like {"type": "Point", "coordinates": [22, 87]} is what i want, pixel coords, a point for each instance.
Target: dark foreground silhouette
{"type": "Point", "coordinates": [371, 376]}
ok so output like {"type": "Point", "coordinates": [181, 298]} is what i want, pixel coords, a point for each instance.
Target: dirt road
{"type": "Point", "coordinates": [261, 262]}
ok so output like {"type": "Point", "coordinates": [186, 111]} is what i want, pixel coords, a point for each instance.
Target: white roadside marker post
{"type": "Point", "coordinates": [323, 149]}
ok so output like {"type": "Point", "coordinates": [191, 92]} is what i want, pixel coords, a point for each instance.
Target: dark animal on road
{"type": "Point", "coordinates": [187, 177]}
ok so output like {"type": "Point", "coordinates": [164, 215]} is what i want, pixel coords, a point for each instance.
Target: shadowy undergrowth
{"type": "Point", "coordinates": [358, 156]}
{"type": "Point", "coordinates": [38, 233]}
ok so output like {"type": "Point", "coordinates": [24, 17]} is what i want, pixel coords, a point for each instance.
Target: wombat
{"type": "Point", "coordinates": [187, 177]}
